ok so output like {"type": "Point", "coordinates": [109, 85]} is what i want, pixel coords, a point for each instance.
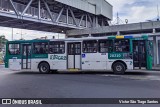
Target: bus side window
{"type": "Point", "coordinates": [57, 47]}
{"type": "Point", "coordinates": [105, 46]}
{"type": "Point", "coordinates": [121, 45]}
{"type": "Point", "coordinates": [14, 49]}
{"type": "Point", "coordinates": [90, 46]}
{"type": "Point", "coordinates": [41, 48]}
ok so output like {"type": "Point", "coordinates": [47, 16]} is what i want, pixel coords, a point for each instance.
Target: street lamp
{"type": "Point", "coordinates": [21, 34]}
{"type": "Point", "coordinates": [12, 33]}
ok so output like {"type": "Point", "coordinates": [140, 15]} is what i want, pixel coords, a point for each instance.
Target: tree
{"type": "Point", "coordinates": [3, 41]}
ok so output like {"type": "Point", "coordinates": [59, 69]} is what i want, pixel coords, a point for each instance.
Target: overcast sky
{"type": "Point", "coordinates": [27, 34]}
{"type": "Point", "coordinates": [133, 10]}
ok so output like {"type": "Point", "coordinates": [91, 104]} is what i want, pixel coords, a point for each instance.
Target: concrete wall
{"type": "Point", "coordinates": [156, 49]}
{"type": "Point", "coordinates": [103, 8]}
{"type": "Point", "coordinates": [96, 7]}
{"type": "Point", "coordinates": [79, 4]}
{"type": "Point", "coordinates": [117, 28]}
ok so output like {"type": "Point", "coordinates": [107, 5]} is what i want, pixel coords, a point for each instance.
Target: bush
{"type": "Point", "coordinates": [1, 57]}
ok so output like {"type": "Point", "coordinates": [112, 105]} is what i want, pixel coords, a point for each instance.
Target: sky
{"type": "Point", "coordinates": [133, 10]}
{"type": "Point", "coordinates": [27, 34]}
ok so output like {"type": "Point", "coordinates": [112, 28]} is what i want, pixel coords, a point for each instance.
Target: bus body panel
{"type": "Point", "coordinates": [128, 62]}
{"type": "Point", "coordinates": [35, 63]}
{"type": "Point", "coordinates": [80, 61]}
{"type": "Point", "coordinates": [57, 61]}
{"type": "Point", "coordinates": [15, 64]}
{"type": "Point", "coordinates": [95, 61]}
{"type": "Point", "coordinates": [70, 61]}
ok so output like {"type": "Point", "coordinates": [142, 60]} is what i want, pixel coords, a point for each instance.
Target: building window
{"type": "Point", "coordinates": [14, 49]}
{"type": "Point", "coordinates": [41, 48]}
{"type": "Point", "coordinates": [122, 45]}
{"type": "Point", "coordinates": [57, 47]}
{"type": "Point", "coordinates": [105, 46]}
{"type": "Point", "coordinates": [90, 46]}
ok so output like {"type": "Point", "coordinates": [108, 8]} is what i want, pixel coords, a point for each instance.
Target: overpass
{"type": "Point", "coordinates": [150, 28]}
{"type": "Point", "coordinates": [124, 29]}
{"type": "Point", "coordinates": [54, 15]}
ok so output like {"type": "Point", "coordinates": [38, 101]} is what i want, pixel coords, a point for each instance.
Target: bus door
{"type": "Point", "coordinates": [74, 55]}
{"type": "Point", "coordinates": [139, 53]}
{"type": "Point", "coordinates": [26, 56]}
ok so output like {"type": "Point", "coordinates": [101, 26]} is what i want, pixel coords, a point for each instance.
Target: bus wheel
{"type": "Point", "coordinates": [44, 68]}
{"type": "Point", "coordinates": [119, 68]}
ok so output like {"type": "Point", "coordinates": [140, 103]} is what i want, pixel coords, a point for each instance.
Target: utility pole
{"type": "Point", "coordinates": [117, 18]}
{"type": "Point", "coordinates": [157, 12]}
{"type": "Point", "coordinates": [21, 34]}
{"type": "Point", "coordinates": [12, 34]}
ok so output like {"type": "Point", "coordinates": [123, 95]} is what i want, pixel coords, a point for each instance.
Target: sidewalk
{"type": "Point", "coordinates": [157, 68]}
{"type": "Point", "coordinates": [1, 63]}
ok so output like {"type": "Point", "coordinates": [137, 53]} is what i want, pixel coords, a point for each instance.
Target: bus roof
{"type": "Point", "coordinates": [104, 37]}
{"type": "Point", "coordinates": [80, 39]}
{"type": "Point", "coordinates": [28, 41]}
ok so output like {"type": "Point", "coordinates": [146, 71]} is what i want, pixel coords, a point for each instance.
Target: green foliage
{"type": "Point", "coordinates": [1, 56]}
{"type": "Point", "coordinates": [3, 40]}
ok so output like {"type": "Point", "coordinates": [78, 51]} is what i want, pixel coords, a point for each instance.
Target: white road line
{"type": "Point", "coordinates": [135, 77]}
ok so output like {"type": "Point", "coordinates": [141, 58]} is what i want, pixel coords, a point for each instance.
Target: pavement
{"type": "Point", "coordinates": [134, 84]}
{"type": "Point", "coordinates": [156, 68]}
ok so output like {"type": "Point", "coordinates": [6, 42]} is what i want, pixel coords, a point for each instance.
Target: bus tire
{"type": "Point", "coordinates": [44, 68]}
{"type": "Point", "coordinates": [119, 68]}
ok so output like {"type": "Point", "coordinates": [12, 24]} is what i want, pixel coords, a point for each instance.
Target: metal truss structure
{"type": "Point", "coordinates": [46, 15]}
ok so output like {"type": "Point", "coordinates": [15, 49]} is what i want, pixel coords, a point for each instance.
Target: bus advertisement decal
{"type": "Point", "coordinates": [83, 55]}
{"type": "Point", "coordinates": [54, 57]}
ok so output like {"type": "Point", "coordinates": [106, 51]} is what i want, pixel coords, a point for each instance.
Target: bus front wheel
{"type": "Point", "coordinates": [119, 68]}
{"type": "Point", "coordinates": [44, 68]}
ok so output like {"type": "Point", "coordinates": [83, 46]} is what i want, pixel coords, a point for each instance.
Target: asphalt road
{"type": "Point", "coordinates": [135, 84]}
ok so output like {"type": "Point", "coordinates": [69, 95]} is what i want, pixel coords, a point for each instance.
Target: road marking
{"type": "Point", "coordinates": [134, 77]}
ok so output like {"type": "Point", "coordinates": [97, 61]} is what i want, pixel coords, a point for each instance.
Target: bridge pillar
{"type": "Point", "coordinates": [90, 35]}
{"type": "Point", "coordinates": [155, 50]}
{"type": "Point", "coordinates": [118, 33]}
{"type": "Point", "coordinates": [95, 21]}
{"type": "Point", "coordinates": [154, 30]}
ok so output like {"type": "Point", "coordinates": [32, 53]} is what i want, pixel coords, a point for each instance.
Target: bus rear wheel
{"type": "Point", "coordinates": [119, 68]}
{"type": "Point", "coordinates": [44, 68]}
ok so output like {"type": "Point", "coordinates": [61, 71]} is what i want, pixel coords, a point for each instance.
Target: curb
{"type": "Point", "coordinates": [155, 70]}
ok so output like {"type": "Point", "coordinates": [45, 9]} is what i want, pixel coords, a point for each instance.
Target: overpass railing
{"type": "Point", "coordinates": [8, 6]}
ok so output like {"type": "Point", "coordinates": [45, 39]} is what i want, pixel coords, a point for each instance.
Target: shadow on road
{"type": "Point", "coordinates": [84, 73]}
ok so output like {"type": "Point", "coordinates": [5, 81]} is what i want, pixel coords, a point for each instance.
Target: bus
{"type": "Point", "coordinates": [116, 53]}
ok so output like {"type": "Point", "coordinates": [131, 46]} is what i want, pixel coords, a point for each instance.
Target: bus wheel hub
{"type": "Point", "coordinates": [44, 68]}
{"type": "Point", "coordinates": [118, 68]}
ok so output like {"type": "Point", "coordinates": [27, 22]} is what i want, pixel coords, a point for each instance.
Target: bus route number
{"type": "Point", "coordinates": [115, 56]}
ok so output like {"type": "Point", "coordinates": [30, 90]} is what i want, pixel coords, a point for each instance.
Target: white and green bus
{"type": "Point", "coordinates": [117, 53]}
